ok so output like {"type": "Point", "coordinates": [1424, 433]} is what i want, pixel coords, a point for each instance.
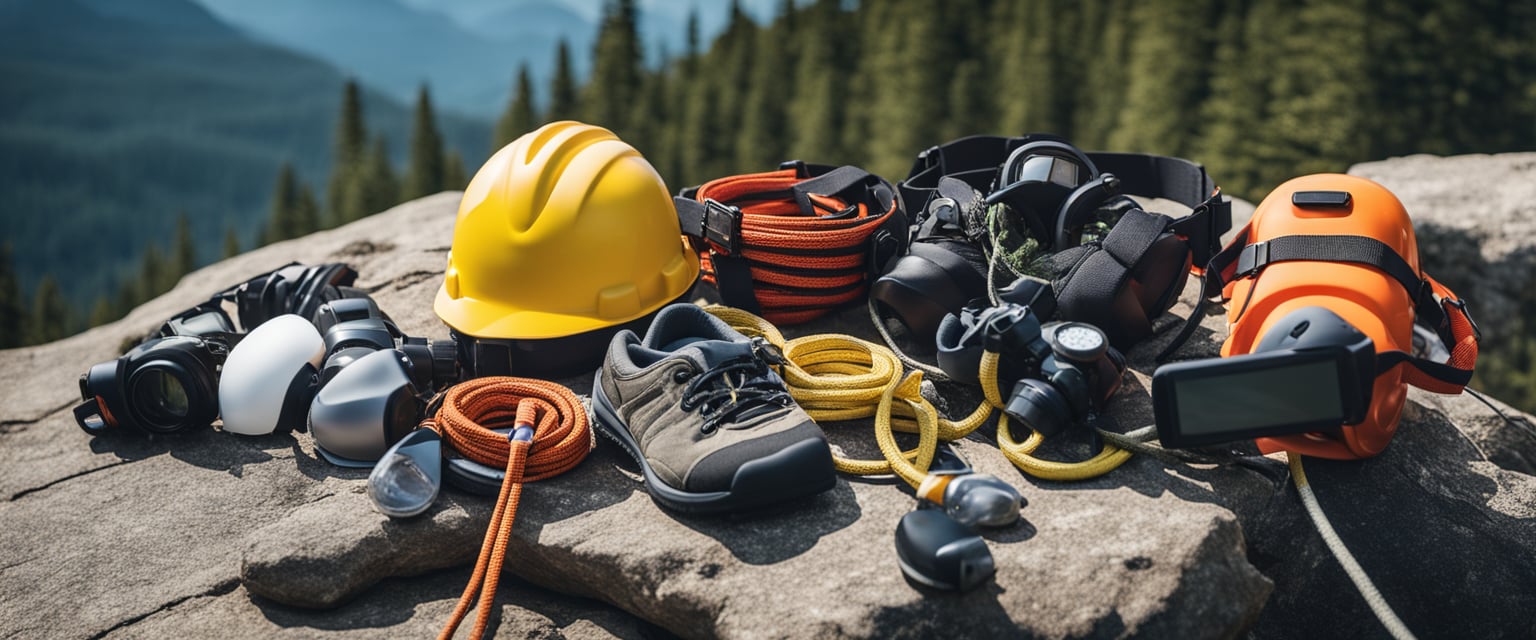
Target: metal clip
{"type": "Point", "coordinates": [722, 226]}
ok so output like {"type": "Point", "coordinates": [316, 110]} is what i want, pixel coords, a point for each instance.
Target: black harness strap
{"type": "Point", "coordinates": [1084, 298]}
{"type": "Point", "coordinates": [976, 159]}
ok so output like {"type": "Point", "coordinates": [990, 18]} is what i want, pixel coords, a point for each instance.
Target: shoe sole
{"type": "Point", "coordinates": [799, 470]}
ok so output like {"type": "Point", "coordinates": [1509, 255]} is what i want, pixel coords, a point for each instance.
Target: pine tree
{"type": "Point", "coordinates": [726, 84]}
{"type": "Point", "coordinates": [154, 270]}
{"type": "Point", "coordinates": [1322, 109]}
{"type": "Point", "coordinates": [562, 87]}
{"type": "Point", "coordinates": [285, 196]}
{"type": "Point", "coordinates": [379, 188]}
{"type": "Point", "coordinates": [347, 157]}
{"type": "Point", "coordinates": [231, 243]}
{"type": "Point", "coordinates": [425, 175]}
{"type": "Point", "coordinates": [186, 251]}
{"type": "Point", "coordinates": [970, 110]}
{"type": "Point", "coordinates": [306, 212]}
{"type": "Point", "coordinates": [698, 141]}
{"type": "Point", "coordinates": [102, 312]}
{"type": "Point", "coordinates": [817, 106]}
{"type": "Point", "coordinates": [616, 69]}
{"type": "Point", "coordinates": [1101, 89]}
{"type": "Point", "coordinates": [13, 309]}
{"type": "Point", "coordinates": [760, 141]}
{"type": "Point", "coordinates": [1032, 40]}
{"type": "Point", "coordinates": [295, 212]}
{"type": "Point", "coordinates": [910, 40]}
{"type": "Point", "coordinates": [1239, 101]}
{"type": "Point", "coordinates": [51, 316]}
{"type": "Point", "coordinates": [648, 120]}
{"type": "Point", "coordinates": [1168, 76]}
{"type": "Point", "coordinates": [519, 117]}
{"type": "Point", "coordinates": [454, 177]}
{"type": "Point", "coordinates": [126, 298]}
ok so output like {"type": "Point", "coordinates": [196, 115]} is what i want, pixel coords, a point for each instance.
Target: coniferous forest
{"type": "Point", "coordinates": [1257, 90]}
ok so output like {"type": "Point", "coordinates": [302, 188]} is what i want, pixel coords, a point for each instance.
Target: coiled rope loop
{"type": "Point", "coordinates": [838, 377]}
{"type": "Point", "coordinates": [550, 436]}
{"type": "Point", "coordinates": [835, 377]}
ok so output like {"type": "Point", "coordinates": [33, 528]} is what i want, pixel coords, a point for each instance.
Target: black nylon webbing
{"type": "Point", "coordinates": [1165, 177]}
{"type": "Point", "coordinates": [1085, 294]}
{"type": "Point", "coordinates": [733, 278]}
{"type": "Point", "coordinates": [976, 160]}
{"type": "Point", "coordinates": [1352, 249]}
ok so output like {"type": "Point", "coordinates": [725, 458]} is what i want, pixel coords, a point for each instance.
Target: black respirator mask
{"type": "Point", "coordinates": [1051, 227]}
{"type": "Point", "coordinates": [1060, 373]}
{"type": "Point", "coordinates": [170, 382]}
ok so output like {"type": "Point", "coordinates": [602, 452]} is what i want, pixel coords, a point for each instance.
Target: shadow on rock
{"type": "Point", "coordinates": [206, 448]}
{"type": "Point", "coordinates": [316, 468]}
{"type": "Point", "coordinates": [780, 532]}
{"type": "Point", "coordinates": [949, 614]}
{"type": "Point", "coordinates": [228, 452]}
{"type": "Point", "coordinates": [521, 609]}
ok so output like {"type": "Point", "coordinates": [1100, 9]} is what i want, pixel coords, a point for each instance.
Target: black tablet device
{"type": "Point", "coordinates": [1205, 402]}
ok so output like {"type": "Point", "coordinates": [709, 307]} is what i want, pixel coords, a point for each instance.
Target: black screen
{"type": "Point", "coordinates": [1293, 394]}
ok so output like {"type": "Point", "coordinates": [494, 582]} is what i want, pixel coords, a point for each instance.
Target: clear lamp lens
{"type": "Point", "coordinates": [399, 488]}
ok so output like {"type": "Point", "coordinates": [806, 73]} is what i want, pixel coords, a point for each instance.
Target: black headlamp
{"type": "Point", "coordinates": [1312, 371]}
{"type": "Point", "coordinates": [170, 382]}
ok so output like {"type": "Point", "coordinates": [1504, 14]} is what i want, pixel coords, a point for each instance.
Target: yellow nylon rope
{"type": "Point", "coordinates": [1018, 453]}
{"type": "Point", "coordinates": [837, 377]}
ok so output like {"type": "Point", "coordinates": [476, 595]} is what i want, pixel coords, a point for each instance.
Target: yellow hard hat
{"type": "Point", "coordinates": [565, 231]}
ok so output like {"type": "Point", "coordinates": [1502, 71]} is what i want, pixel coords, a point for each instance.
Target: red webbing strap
{"type": "Point", "coordinates": [806, 252]}
{"type": "Point", "coordinates": [1433, 376]}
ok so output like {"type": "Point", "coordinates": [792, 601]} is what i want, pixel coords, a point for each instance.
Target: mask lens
{"type": "Point", "coordinates": [1044, 168]}
{"type": "Point", "coordinates": [161, 397]}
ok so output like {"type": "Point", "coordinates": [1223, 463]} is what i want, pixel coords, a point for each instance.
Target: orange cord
{"type": "Point", "coordinates": [560, 440]}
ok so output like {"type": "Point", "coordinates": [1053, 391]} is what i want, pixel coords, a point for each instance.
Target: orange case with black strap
{"type": "Point", "coordinates": [796, 243]}
{"type": "Point", "coordinates": [1346, 244]}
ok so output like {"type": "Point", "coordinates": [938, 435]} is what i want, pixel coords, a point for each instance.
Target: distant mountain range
{"type": "Point", "coordinates": [116, 115]}
{"type": "Point", "coordinates": [468, 50]}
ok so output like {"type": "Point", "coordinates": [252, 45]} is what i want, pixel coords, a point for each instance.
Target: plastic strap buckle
{"type": "Point", "coordinates": [722, 225]}
{"type": "Point", "coordinates": [1252, 258]}
{"type": "Point", "coordinates": [1008, 328]}
{"type": "Point", "coordinates": [797, 165]}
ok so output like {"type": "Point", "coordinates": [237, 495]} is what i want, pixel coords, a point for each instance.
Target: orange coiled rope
{"type": "Point", "coordinates": [801, 259]}
{"type": "Point", "coordinates": [550, 436]}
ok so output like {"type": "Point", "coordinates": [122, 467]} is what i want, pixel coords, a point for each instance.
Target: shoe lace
{"type": "Point", "coordinates": [739, 387]}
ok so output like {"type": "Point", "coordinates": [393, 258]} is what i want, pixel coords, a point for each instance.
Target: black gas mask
{"type": "Point", "coordinates": [1060, 373]}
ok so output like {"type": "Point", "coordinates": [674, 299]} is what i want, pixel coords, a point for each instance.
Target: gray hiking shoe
{"type": "Point", "coordinates": [712, 426]}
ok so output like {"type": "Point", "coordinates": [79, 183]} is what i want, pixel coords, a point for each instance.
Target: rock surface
{"type": "Point", "coordinates": [225, 534]}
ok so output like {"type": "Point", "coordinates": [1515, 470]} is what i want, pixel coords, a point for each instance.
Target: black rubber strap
{"type": "Point", "coordinates": [1437, 370]}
